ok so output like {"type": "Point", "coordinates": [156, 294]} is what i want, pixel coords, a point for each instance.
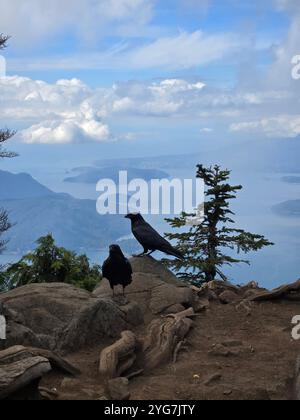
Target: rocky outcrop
{"type": "Point", "coordinates": [176, 354]}
{"type": "Point", "coordinates": [155, 289]}
{"type": "Point", "coordinates": [62, 317]}
{"type": "Point", "coordinates": [227, 293]}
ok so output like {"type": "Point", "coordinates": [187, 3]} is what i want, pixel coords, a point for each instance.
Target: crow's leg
{"type": "Point", "coordinates": [142, 254]}
{"type": "Point", "coordinates": [123, 291]}
{"type": "Point", "coordinates": [150, 253]}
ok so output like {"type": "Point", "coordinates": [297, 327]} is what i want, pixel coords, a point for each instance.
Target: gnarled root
{"type": "Point", "coordinates": [289, 292]}
{"type": "Point", "coordinates": [118, 358]}
{"type": "Point", "coordinates": [165, 337]}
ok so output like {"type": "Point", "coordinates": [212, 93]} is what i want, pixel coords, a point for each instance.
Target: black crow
{"type": "Point", "coordinates": [117, 269]}
{"type": "Point", "coordinates": [149, 238]}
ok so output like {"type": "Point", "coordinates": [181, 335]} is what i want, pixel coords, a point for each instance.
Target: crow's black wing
{"type": "Point", "coordinates": [148, 237]}
{"type": "Point", "coordinates": [106, 269]}
{"type": "Point", "coordinates": [129, 268]}
{"type": "Point", "coordinates": [127, 275]}
{"type": "Point", "coordinates": [152, 240]}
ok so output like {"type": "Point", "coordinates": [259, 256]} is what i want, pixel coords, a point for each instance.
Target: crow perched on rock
{"type": "Point", "coordinates": [149, 238]}
{"type": "Point", "coordinates": [117, 269]}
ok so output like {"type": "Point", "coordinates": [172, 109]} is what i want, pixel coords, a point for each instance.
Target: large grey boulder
{"type": "Point", "coordinates": [62, 317]}
{"type": "Point", "coordinates": [155, 288]}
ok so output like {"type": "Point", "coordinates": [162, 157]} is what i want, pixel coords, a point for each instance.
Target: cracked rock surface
{"type": "Point", "coordinates": [63, 318]}
{"type": "Point", "coordinates": [156, 290]}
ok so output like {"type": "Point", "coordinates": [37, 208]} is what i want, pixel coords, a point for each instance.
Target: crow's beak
{"type": "Point", "coordinates": [127, 217]}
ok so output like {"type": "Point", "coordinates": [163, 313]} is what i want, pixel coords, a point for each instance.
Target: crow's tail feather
{"type": "Point", "coordinates": [174, 253]}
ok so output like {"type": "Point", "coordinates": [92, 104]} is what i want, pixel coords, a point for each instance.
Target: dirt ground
{"type": "Point", "coordinates": [231, 354]}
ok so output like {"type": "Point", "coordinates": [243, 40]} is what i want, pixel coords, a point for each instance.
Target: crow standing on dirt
{"type": "Point", "coordinates": [149, 238]}
{"type": "Point", "coordinates": [117, 269]}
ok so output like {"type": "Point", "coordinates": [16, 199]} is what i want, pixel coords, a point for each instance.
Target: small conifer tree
{"type": "Point", "coordinates": [204, 245]}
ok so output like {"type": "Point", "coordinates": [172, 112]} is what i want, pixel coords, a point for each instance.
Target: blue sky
{"type": "Point", "coordinates": [145, 73]}
{"type": "Point", "coordinates": [261, 25]}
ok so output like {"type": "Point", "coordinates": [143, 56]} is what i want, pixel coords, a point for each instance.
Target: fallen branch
{"type": "Point", "coordinates": [288, 292]}
{"type": "Point", "coordinates": [165, 338]}
{"type": "Point", "coordinates": [118, 358]}
{"type": "Point", "coordinates": [19, 352]}
{"type": "Point", "coordinates": [56, 361]}
{"type": "Point", "coordinates": [189, 313]}
{"type": "Point", "coordinates": [16, 376]}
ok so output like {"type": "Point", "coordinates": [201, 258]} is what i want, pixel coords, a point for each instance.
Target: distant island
{"type": "Point", "coordinates": [288, 208]}
{"type": "Point", "coordinates": [291, 179]}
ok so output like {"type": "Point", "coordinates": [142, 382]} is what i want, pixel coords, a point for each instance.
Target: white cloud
{"type": "Point", "coordinates": [278, 99]}
{"type": "Point", "coordinates": [206, 130]}
{"type": "Point", "coordinates": [51, 113]}
{"type": "Point", "coordinates": [165, 98]}
{"type": "Point", "coordinates": [173, 86]}
{"type": "Point", "coordinates": [34, 20]}
{"type": "Point", "coordinates": [288, 5]}
{"type": "Point", "coordinates": [69, 111]}
{"type": "Point", "coordinates": [282, 126]}
{"type": "Point", "coordinates": [66, 131]}
{"type": "Point", "coordinates": [183, 50]}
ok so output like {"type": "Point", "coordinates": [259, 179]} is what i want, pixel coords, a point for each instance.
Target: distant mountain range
{"type": "Point", "coordinates": [36, 211]}
{"type": "Point", "coordinates": [21, 186]}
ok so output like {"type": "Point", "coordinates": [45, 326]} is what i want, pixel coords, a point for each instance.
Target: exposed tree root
{"type": "Point", "coordinates": [289, 292]}
{"type": "Point", "coordinates": [165, 338]}
{"type": "Point", "coordinates": [118, 358]}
